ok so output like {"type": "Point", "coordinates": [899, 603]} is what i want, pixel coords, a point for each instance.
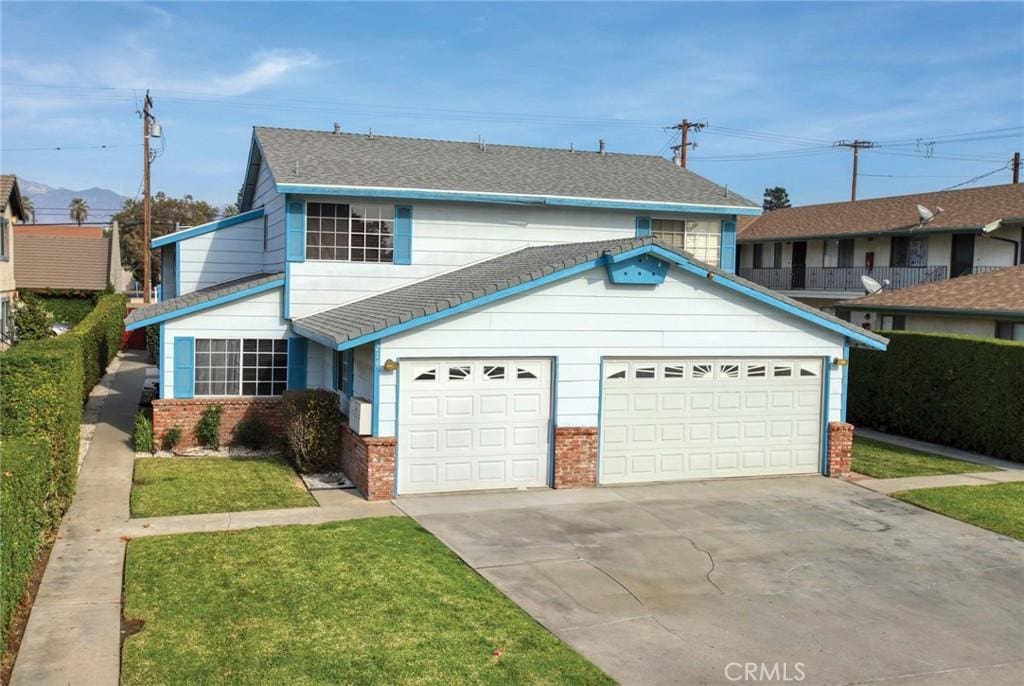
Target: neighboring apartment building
{"type": "Point", "coordinates": [13, 213]}
{"type": "Point", "coordinates": [818, 253]}
{"type": "Point", "coordinates": [496, 316]}
{"type": "Point", "coordinates": [69, 257]}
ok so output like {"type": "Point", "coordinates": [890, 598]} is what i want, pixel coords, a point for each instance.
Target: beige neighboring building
{"type": "Point", "coordinates": [69, 257]}
{"type": "Point", "coordinates": [13, 213]}
{"type": "Point", "coordinates": [989, 304]}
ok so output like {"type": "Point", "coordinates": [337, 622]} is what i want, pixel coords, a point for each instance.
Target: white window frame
{"type": "Point", "coordinates": [241, 369]}
{"type": "Point", "coordinates": [691, 234]}
{"type": "Point", "coordinates": [382, 215]}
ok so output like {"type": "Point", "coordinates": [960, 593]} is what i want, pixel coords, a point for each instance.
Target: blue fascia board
{"type": "Point", "coordinates": [846, 378]}
{"type": "Point", "coordinates": [206, 228]}
{"type": "Point", "coordinates": [375, 430]}
{"type": "Point", "coordinates": [673, 258]}
{"type": "Point", "coordinates": [161, 387]}
{"type": "Point", "coordinates": [177, 271]}
{"type": "Point", "coordinates": [199, 307]}
{"type": "Point", "coordinates": [514, 199]}
{"type": "Point", "coordinates": [827, 375]}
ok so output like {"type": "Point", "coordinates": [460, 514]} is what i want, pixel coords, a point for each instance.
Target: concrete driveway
{"type": "Point", "coordinates": [811, 577]}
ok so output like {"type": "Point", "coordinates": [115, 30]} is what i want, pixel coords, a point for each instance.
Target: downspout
{"type": "Point", "coordinates": [1015, 244]}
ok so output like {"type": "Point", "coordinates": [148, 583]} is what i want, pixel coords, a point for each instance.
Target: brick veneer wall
{"type": "Point", "coordinates": [369, 461]}
{"type": "Point", "coordinates": [575, 457]}
{"type": "Point", "coordinates": [186, 413]}
{"type": "Point", "coordinates": [840, 448]}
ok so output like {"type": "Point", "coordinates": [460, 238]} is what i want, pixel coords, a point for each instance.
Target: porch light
{"type": "Point", "coordinates": [840, 361]}
{"type": "Point", "coordinates": [390, 365]}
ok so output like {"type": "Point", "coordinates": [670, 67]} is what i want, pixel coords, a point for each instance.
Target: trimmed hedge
{"type": "Point", "coordinates": [68, 309]}
{"type": "Point", "coordinates": [960, 391]}
{"type": "Point", "coordinates": [23, 489]}
{"type": "Point", "coordinates": [99, 336]}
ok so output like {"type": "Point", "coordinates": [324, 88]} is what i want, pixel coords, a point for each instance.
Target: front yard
{"type": "Point", "coordinates": [888, 461]}
{"type": "Point", "coordinates": [999, 507]}
{"type": "Point", "coordinates": [368, 601]}
{"type": "Point", "coordinates": [163, 486]}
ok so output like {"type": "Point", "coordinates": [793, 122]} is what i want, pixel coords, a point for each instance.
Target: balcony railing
{"type": "Point", "coordinates": [841, 278]}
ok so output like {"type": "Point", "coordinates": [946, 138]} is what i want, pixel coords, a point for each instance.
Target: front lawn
{"type": "Point", "coordinates": [185, 485]}
{"type": "Point", "coordinates": [888, 461]}
{"type": "Point", "coordinates": [999, 507]}
{"type": "Point", "coordinates": [371, 601]}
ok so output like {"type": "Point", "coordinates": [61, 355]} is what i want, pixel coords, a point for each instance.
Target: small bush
{"type": "Point", "coordinates": [172, 437]}
{"type": "Point", "coordinates": [251, 432]}
{"type": "Point", "coordinates": [143, 433]}
{"type": "Point", "coordinates": [313, 430]}
{"type": "Point", "coordinates": [32, 321]}
{"type": "Point", "coordinates": [208, 428]}
{"type": "Point", "coordinates": [153, 342]}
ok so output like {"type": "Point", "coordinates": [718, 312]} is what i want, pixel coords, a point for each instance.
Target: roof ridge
{"type": "Point", "coordinates": [889, 197]}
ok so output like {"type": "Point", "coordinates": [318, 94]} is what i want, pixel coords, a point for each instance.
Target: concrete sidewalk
{"type": "Point", "coordinates": [941, 450]}
{"type": "Point", "coordinates": [73, 635]}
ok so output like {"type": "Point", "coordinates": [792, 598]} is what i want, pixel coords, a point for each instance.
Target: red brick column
{"type": "Point", "coordinates": [575, 457]}
{"type": "Point", "coordinates": [369, 462]}
{"type": "Point", "coordinates": [840, 448]}
{"type": "Point", "coordinates": [185, 413]}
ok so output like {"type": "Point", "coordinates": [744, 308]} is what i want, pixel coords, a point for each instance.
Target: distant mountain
{"type": "Point", "coordinates": [52, 203]}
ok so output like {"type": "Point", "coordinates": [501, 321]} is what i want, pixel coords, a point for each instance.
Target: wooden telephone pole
{"type": "Point", "coordinates": [683, 128]}
{"type": "Point", "coordinates": [147, 119]}
{"type": "Point", "coordinates": [856, 145]}
{"type": "Point", "coordinates": [1016, 167]}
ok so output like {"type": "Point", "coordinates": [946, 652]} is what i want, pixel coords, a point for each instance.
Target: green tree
{"type": "Point", "coordinates": [31, 320]}
{"type": "Point", "coordinates": [229, 210]}
{"type": "Point", "coordinates": [167, 213]}
{"type": "Point", "coordinates": [30, 207]}
{"type": "Point", "coordinates": [78, 210]}
{"type": "Point", "coordinates": [775, 199]}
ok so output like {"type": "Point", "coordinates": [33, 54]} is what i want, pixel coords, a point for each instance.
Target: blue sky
{"type": "Point", "coordinates": [532, 74]}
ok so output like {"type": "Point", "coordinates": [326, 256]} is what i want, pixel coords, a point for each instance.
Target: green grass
{"type": "Point", "coordinates": [371, 601]}
{"type": "Point", "coordinates": [888, 461]}
{"type": "Point", "coordinates": [999, 507]}
{"type": "Point", "coordinates": [176, 485]}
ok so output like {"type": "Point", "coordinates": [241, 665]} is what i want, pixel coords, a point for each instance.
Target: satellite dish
{"type": "Point", "coordinates": [870, 285]}
{"type": "Point", "coordinates": [924, 214]}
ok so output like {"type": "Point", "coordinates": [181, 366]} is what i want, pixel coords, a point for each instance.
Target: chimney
{"type": "Point", "coordinates": [337, 128]}
{"type": "Point", "coordinates": [600, 146]}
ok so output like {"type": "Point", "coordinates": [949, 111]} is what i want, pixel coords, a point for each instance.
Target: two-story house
{"type": "Point", "coordinates": [12, 211]}
{"type": "Point", "coordinates": [496, 317]}
{"type": "Point", "coordinates": [818, 253]}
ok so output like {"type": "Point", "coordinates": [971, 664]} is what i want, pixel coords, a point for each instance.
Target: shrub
{"type": "Point", "coordinates": [143, 433]}
{"type": "Point", "coordinates": [32, 321]}
{"type": "Point", "coordinates": [251, 432]}
{"type": "Point", "coordinates": [172, 437]}
{"type": "Point", "coordinates": [99, 338]}
{"type": "Point", "coordinates": [313, 430]}
{"type": "Point", "coordinates": [70, 309]}
{"type": "Point", "coordinates": [208, 428]}
{"type": "Point", "coordinates": [153, 342]}
{"type": "Point", "coordinates": [955, 390]}
{"type": "Point", "coordinates": [23, 491]}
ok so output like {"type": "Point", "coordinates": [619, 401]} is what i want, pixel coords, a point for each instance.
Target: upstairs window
{"type": "Point", "coordinates": [702, 239]}
{"type": "Point", "coordinates": [908, 252]}
{"type": "Point", "coordinates": [838, 253]}
{"type": "Point", "coordinates": [350, 233]}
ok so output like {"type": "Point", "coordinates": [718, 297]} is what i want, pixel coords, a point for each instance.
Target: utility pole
{"type": "Point", "coordinates": [147, 118]}
{"type": "Point", "coordinates": [856, 145]}
{"type": "Point", "coordinates": [1016, 167]}
{"type": "Point", "coordinates": [683, 128]}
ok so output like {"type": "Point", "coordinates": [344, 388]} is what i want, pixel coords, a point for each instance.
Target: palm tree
{"type": "Point", "coordinates": [29, 207]}
{"type": "Point", "coordinates": [78, 210]}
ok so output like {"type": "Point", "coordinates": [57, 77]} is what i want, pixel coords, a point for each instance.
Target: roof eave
{"type": "Point", "coordinates": [904, 231]}
{"type": "Point", "coordinates": [944, 311]}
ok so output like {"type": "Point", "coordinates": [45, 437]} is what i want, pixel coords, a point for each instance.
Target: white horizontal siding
{"type": "Point", "coordinates": [221, 255]}
{"type": "Point", "coordinates": [272, 203]}
{"type": "Point", "coordinates": [584, 318]}
{"type": "Point", "coordinates": [258, 316]}
{"type": "Point", "coordinates": [449, 235]}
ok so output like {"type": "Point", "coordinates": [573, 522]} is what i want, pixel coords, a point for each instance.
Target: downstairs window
{"type": "Point", "coordinates": [241, 366]}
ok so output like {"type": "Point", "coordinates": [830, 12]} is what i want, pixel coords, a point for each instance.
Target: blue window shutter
{"type": "Point", "coordinates": [403, 234]}
{"type": "Point", "coordinates": [184, 366]}
{"type": "Point", "coordinates": [298, 351]}
{"type": "Point", "coordinates": [643, 226]}
{"type": "Point", "coordinates": [295, 227]}
{"type": "Point", "coordinates": [728, 258]}
{"type": "Point", "coordinates": [335, 381]}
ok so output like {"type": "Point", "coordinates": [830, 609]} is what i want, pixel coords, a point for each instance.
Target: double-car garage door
{"type": "Point", "coordinates": [469, 424]}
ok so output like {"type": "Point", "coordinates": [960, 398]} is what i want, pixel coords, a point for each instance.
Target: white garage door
{"type": "Point", "coordinates": [473, 424]}
{"type": "Point", "coordinates": [663, 420]}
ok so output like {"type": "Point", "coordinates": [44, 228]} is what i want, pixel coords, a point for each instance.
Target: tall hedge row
{"type": "Point", "coordinates": [959, 391]}
{"type": "Point", "coordinates": [43, 386]}
{"type": "Point", "coordinates": [68, 308]}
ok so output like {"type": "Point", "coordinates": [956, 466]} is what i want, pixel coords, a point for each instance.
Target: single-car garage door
{"type": "Point", "coordinates": [468, 424]}
{"type": "Point", "coordinates": [669, 419]}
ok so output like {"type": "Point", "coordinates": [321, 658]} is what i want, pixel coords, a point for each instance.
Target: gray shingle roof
{"type": "Point", "coordinates": [436, 294]}
{"type": "Point", "coordinates": [203, 295]}
{"type": "Point", "coordinates": [349, 159]}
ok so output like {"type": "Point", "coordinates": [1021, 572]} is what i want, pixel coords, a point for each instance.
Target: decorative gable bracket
{"type": "Point", "coordinates": [645, 269]}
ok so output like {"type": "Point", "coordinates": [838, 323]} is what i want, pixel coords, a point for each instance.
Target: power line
{"type": "Point", "coordinates": [978, 177]}
{"type": "Point", "coordinates": [61, 148]}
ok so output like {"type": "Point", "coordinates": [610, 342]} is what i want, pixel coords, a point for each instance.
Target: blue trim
{"type": "Point", "coordinates": [398, 443]}
{"type": "Point", "coordinates": [600, 404]}
{"type": "Point", "coordinates": [177, 271]}
{"type": "Point", "coordinates": [403, 234]}
{"type": "Point", "coordinates": [514, 199]}
{"type": "Point", "coordinates": [375, 431]}
{"type": "Point", "coordinates": [643, 226]}
{"type": "Point", "coordinates": [335, 385]}
{"type": "Point", "coordinates": [295, 230]}
{"type": "Point", "coordinates": [161, 383]}
{"type": "Point", "coordinates": [675, 258]}
{"type": "Point", "coordinates": [846, 378]}
{"type": "Point", "coordinates": [286, 299]}
{"type": "Point", "coordinates": [554, 420]}
{"type": "Point", "coordinates": [727, 258]}
{"type": "Point", "coordinates": [639, 270]}
{"type": "Point", "coordinates": [199, 307]}
{"type": "Point", "coordinates": [350, 373]}
{"type": "Point", "coordinates": [826, 369]}
{"type": "Point", "coordinates": [184, 366]}
{"type": "Point", "coordinates": [194, 231]}
{"type": "Point", "coordinates": [298, 363]}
